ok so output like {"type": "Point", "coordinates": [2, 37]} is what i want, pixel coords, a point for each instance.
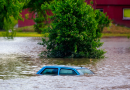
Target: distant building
{"type": "Point", "coordinates": [117, 10]}
{"type": "Point", "coordinates": [29, 21]}
{"type": "Point", "coordinates": [26, 22]}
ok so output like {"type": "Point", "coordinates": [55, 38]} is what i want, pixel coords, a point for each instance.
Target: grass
{"type": "Point", "coordinates": [25, 29]}
{"type": "Point", "coordinates": [27, 34]}
{"type": "Point", "coordinates": [115, 35]}
{"type": "Point", "coordinates": [116, 31]}
{"type": "Point", "coordinates": [113, 31]}
{"type": "Point", "coordinates": [30, 34]}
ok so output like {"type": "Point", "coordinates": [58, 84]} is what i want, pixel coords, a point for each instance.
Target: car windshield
{"type": "Point", "coordinates": [85, 71]}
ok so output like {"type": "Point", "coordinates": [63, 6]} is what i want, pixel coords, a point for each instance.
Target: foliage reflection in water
{"type": "Point", "coordinates": [14, 68]}
{"type": "Point", "coordinates": [70, 61]}
{"type": "Point", "coordinates": [22, 67]}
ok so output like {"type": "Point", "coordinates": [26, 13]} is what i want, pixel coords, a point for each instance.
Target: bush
{"type": "Point", "coordinates": [75, 30]}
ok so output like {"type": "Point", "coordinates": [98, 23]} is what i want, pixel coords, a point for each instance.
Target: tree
{"type": "Point", "coordinates": [9, 9]}
{"type": "Point", "coordinates": [75, 31]}
{"type": "Point", "coordinates": [41, 16]}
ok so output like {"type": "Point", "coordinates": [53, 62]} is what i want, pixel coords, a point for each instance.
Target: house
{"type": "Point", "coordinates": [29, 21]}
{"type": "Point", "coordinates": [117, 10]}
{"type": "Point", "coordinates": [26, 22]}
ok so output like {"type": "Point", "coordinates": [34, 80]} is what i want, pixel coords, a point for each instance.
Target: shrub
{"type": "Point", "coordinates": [75, 30]}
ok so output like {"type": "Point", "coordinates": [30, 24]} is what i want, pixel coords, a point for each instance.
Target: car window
{"type": "Point", "coordinates": [67, 72]}
{"type": "Point", "coordinates": [50, 71]}
{"type": "Point", "coordinates": [85, 71]}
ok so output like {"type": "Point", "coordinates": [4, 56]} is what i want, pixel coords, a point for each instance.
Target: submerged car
{"type": "Point", "coordinates": [63, 70]}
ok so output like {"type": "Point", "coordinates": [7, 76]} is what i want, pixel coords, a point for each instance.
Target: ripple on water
{"type": "Point", "coordinates": [19, 58]}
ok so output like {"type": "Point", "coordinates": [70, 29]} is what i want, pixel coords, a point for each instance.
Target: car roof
{"type": "Point", "coordinates": [64, 66]}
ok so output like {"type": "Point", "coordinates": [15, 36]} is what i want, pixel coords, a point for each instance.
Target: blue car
{"type": "Point", "coordinates": [64, 70]}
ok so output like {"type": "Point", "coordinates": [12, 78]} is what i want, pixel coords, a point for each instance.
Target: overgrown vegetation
{"type": "Point", "coordinates": [114, 31]}
{"type": "Point", "coordinates": [41, 18]}
{"type": "Point", "coordinates": [9, 27]}
{"type": "Point", "coordinates": [75, 31]}
{"type": "Point", "coordinates": [9, 9]}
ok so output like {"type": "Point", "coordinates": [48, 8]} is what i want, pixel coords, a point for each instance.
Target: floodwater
{"type": "Point", "coordinates": [19, 61]}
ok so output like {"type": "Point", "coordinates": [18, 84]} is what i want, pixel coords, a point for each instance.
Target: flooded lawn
{"type": "Point", "coordinates": [19, 61]}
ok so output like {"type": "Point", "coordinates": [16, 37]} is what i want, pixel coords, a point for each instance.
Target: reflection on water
{"type": "Point", "coordinates": [71, 61]}
{"type": "Point", "coordinates": [19, 58]}
{"type": "Point", "coordinates": [27, 66]}
{"type": "Point", "coordinates": [14, 68]}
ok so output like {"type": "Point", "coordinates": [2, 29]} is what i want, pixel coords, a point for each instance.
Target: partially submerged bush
{"type": "Point", "coordinates": [75, 31]}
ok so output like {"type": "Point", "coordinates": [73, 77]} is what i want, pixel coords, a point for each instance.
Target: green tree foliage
{"type": "Point", "coordinates": [41, 16]}
{"type": "Point", "coordinates": [9, 9]}
{"type": "Point", "coordinates": [75, 31]}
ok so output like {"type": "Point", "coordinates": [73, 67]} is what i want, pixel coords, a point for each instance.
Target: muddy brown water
{"type": "Point", "coordinates": [19, 58]}
{"type": "Point", "coordinates": [19, 62]}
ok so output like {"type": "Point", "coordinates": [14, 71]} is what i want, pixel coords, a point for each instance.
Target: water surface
{"type": "Point", "coordinates": [19, 59]}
